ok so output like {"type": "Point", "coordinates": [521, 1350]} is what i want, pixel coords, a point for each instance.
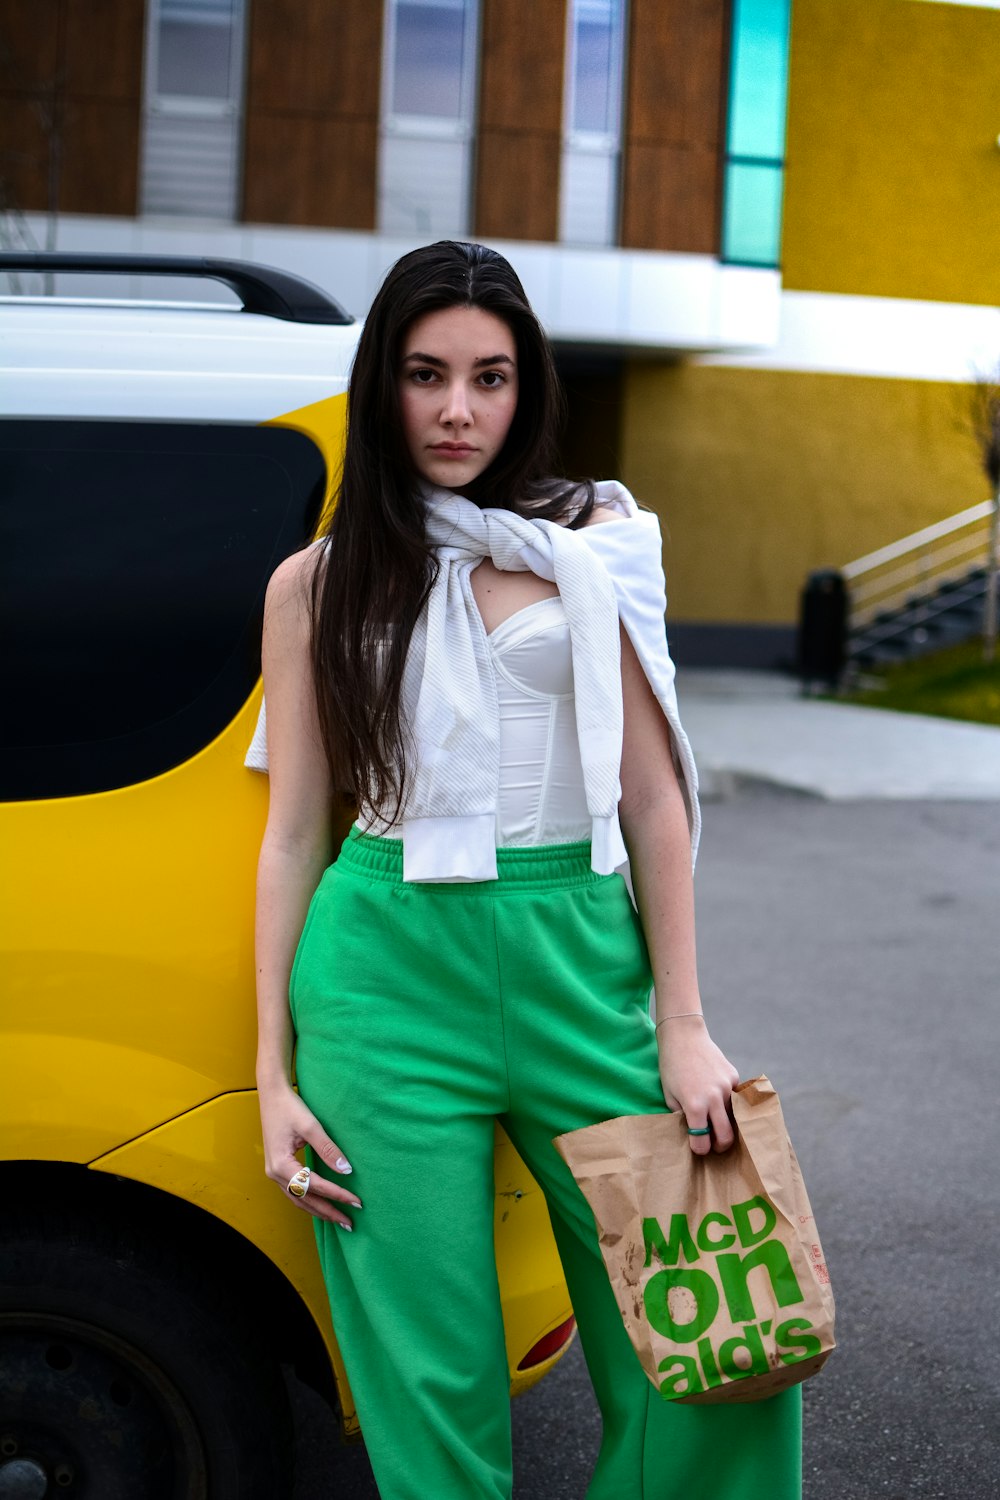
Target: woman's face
{"type": "Point", "coordinates": [457, 393]}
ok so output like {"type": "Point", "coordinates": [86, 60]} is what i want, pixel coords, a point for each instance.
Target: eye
{"type": "Point", "coordinates": [493, 379]}
{"type": "Point", "coordinates": [423, 375]}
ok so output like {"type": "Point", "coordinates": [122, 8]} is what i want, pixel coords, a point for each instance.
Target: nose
{"type": "Point", "coordinates": [456, 411]}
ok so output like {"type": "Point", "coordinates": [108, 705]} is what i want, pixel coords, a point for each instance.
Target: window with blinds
{"type": "Point", "coordinates": [588, 201]}
{"type": "Point", "coordinates": [428, 106]}
{"type": "Point", "coordinates": [192, 117]}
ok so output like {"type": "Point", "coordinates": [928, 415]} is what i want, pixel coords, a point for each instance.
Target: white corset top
{"type": "Point", "coordinates": [542, 798]}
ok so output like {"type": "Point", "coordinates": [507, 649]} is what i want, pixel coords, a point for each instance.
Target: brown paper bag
{"type": "Point", "coordinates": [715, 1260]}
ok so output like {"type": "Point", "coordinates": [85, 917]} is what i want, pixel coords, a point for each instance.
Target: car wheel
{"type": "Point", "coordinates": [128, 1374]}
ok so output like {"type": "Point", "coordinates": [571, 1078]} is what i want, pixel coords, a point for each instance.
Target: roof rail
{"type": "Point", "coordinates": [261, 289]}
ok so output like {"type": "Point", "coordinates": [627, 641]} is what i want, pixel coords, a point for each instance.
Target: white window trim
{"type": "Point", "coordinates": [591, 142]}
{"type": "Point", "coordinates": [427, 127]}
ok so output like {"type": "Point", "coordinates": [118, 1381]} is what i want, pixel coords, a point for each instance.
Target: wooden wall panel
{"type": "Point", "coordinates": [29, 66]}
{"type": "Point", "coordinates": [517, 186]}
{"type": "Point", "coordinates": [104, 48]}
{"type": "Point", "coordinates": [521, 51]}
{"type": "Point", "coordinates": [24, 155]}
{"type": "Point", "coordinates": [29, 44]}
{"type": "Point", "coordinates": [519, 137]}
{"type": "Point", "coordinates": [310, 170]}
{"type": "Point", "coordinates": [674, 124]}
{"type": "Point", "coordinates": [100, 164]}
{"type": "Point", "coordinates": [311, 142]}
{"type": "Point", "coordinates": [669, 207]}
{"type": "Point", "coordinates": [71, 92]}
{"type": "Point", "coordinates": [314, 55]}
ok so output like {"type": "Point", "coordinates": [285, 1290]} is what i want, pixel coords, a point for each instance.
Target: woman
{"type": "Point", "coordinates": [476, 656]}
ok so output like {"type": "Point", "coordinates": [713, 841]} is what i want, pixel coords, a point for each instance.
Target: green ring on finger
{"type": "Point", "coordinates": [705, 1130]}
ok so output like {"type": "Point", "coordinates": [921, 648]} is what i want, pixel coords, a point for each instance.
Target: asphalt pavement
{"type": "Point", "coordinates": [848, 948]}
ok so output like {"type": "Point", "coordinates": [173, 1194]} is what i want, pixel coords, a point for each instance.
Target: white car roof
{"type": "Point", "coordinates": [72, 357]}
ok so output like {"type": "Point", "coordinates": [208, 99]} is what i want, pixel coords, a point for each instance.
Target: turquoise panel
{"type": "Point", "coordinates": [755, 137]}
{"type": "Point", "coordinates": [751, 228]}
{"type": "Point", "coordinates": [759, 78]}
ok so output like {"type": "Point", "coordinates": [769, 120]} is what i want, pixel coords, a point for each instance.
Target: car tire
{"type": "Point", "coordinates": [128, 1373]}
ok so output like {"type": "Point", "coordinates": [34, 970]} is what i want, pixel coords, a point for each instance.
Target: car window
{"type": "Point", "coordinates": [133, 563]}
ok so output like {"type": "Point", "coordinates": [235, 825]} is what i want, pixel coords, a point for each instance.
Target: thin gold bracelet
{"type": "Point", "coordinates": [680, 1016]}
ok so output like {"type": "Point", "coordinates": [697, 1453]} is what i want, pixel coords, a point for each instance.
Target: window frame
{"type": "Point", "coordinates": [577, 146]}
{"type": "Point", "coordinates": [593, 142]}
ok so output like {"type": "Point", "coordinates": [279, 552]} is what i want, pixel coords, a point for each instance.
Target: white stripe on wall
{"type": "Point", "coordinates": [976, 4]}
{"type": "Point", "coordinates": [881, 336]}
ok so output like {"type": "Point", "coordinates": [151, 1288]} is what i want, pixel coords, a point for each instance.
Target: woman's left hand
{"type": "Point", "coordinates": [698, 1080]}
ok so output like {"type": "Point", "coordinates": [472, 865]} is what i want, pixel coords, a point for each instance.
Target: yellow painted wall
{"type": "Point", "coordinates": [893, 179]}
{"type": "Point", "coordinates": [760, 476]}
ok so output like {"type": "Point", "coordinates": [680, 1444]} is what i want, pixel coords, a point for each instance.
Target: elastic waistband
{"type": "Point", "coordinates": [542, 866]}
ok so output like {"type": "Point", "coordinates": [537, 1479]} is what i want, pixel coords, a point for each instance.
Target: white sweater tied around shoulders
{"type": "Point", "coordinates": [604, 572]}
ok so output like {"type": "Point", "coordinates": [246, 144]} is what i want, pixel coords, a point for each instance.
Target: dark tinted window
{"type": "Point", "coordinates": [133, 563]}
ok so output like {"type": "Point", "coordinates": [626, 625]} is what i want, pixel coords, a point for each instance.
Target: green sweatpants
{"type": "Point", "coordinates": [424, 1012]}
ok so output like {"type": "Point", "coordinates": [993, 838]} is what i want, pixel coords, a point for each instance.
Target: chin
{"type": "Point", "coordinates": [453, 476]}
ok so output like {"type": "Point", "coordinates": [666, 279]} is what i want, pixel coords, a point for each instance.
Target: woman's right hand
{"type": "Point", "coordinates": [288, 1125]}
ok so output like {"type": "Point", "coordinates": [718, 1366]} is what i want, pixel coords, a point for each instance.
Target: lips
{"type": "Point", "coordinates": [452, 450]}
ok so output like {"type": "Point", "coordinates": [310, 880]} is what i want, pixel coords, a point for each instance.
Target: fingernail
{"type": "Point", "coordinates": [343, 1165]}
{"type": "Point", "coordinates": [342, 1225]}
{"type": "Point", "coordinates": [358, 1203]}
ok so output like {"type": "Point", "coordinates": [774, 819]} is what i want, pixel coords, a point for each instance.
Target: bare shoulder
{"type": "Point", "coordinates": [291, 583]}
{"type": "Point", "coordinates": [295, 575]}
{"type": "Point", "coordinates": [287, 604]}
{"type": "Point", "coordinates": [603, 513]}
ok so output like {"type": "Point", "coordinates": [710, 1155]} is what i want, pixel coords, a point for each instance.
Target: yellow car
{"type": "Point", "coordinates": [157, 461]}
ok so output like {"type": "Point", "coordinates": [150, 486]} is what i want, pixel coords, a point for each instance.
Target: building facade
{"type": "Point", "coordinates": [761, 234]}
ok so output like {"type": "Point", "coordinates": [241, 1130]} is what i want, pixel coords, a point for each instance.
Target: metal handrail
{"type": "Point", "coordinates": [917, 539]}
{"type": "Point", "coordinates": [871, 588]}
{"type": "Point", "coordinates": [921, 567]}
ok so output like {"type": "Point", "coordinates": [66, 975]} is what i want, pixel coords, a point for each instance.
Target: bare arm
{"type": "Point", "coordinates": [697, 1078]}
{"type": "Point", "coordinates": [295, 851]}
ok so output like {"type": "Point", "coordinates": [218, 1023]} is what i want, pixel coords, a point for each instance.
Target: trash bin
{"type": "Point", "coordinates": [823, 627]}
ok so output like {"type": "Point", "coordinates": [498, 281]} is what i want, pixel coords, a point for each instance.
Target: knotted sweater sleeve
{"type": "Point", "coordinates": [631, 549]}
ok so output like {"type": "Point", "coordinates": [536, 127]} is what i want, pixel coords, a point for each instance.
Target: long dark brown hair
{"type": "Point", "coordinates": [378, 566]}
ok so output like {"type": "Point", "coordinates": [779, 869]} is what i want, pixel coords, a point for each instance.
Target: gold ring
{"type": "Point", "coordinates": [298, 1183]}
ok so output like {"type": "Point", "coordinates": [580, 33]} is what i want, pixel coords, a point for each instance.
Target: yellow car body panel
{"type": "Point", "coordinates": [128, 934]}
{"type": "Point", "coordinates": [325, 423]}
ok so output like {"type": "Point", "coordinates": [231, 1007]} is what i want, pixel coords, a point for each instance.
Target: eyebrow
{"type": "Point", "coordinates": [441, 364]}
